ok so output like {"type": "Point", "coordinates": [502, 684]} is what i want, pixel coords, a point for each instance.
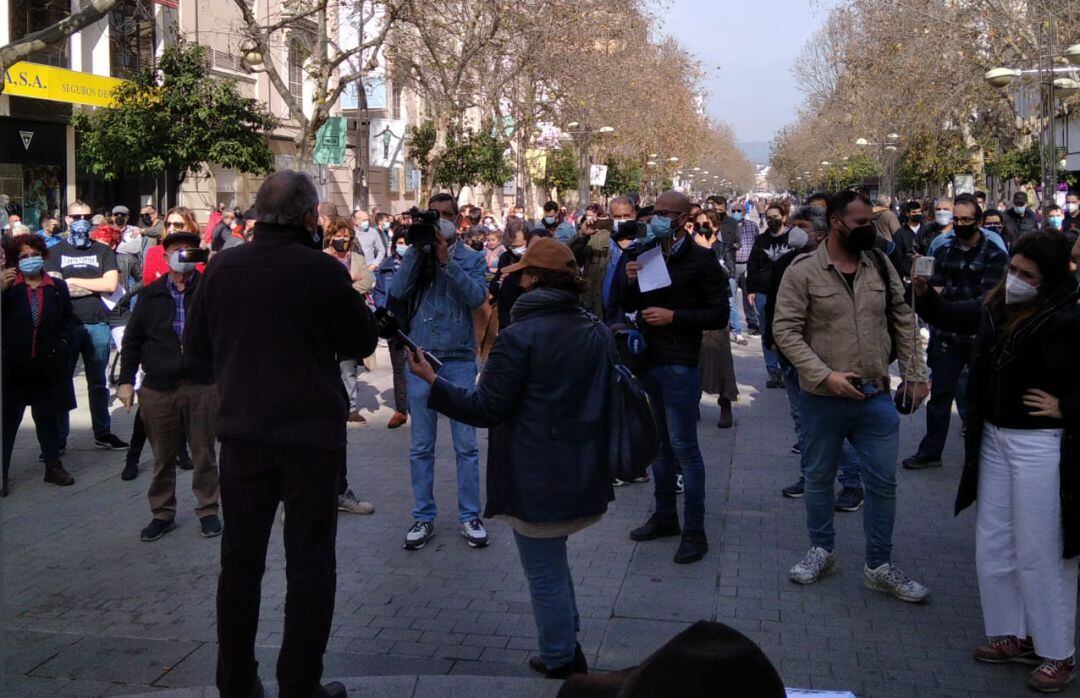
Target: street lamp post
{"type": "Point", "coordinates": [888, 145]}
{"type": "Point", "coordinates": [583, 136]}
{"type": "Point", "coordinates": [1052, 87]}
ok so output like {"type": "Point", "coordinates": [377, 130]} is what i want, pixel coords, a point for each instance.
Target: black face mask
{"type": "Point", "coordinates": [915, 218]}
{"type": "Point", "coordinates": [996, 227]}
{"type": "Point", "coordinates": [477, 245]}
{"type": "Point", "coordinates": [339, 245]}
{"type": "Point", "coordinates": [965, 232]}
{"type": "Point", "coordinates": [773, 224]}
{"type": "Point", "coordinates": [145, 220]}
{"type": "Point", "coordinates": [859, 239]}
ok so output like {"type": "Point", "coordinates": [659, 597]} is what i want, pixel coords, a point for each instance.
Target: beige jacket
{"type": "Point", "coordinates": [820, 326]}
{"type": "Point", "coordinates": [363, 279]}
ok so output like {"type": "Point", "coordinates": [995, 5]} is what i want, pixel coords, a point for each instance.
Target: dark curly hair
{"type": "Point", "coordinates": [29, 240]}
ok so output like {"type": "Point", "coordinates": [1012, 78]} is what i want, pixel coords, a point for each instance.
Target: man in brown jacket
{"type": "Point", "coordinates": [839, 312]}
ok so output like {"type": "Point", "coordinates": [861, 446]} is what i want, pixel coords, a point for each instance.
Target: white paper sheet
{"type": "Point", "coordinates": [653, 273]}
{"type": "Point", "coordinates": [113, 298]}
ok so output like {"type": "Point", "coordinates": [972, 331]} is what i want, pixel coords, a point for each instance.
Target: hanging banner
{"type": "Point", "coordinates": [386, 142]}
{"type": "Point", "coordinates": [597, 175]}
{"type": "Point", "coordinates": [35, 81]}
{"type": "Point", "coordinates": [536, 163]}
{"type": "Point", "coordinates": [330, 142]}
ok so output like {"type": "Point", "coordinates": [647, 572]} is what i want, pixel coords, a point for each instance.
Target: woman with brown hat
{"type": "Point", "coordinates": [543, 393]}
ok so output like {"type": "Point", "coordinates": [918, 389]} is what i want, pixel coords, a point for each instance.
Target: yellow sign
{"type": "Point", "coordinates": [24, 79]}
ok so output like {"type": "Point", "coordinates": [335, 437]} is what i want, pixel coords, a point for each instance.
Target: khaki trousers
{"type": "Point", "coordinates": [189, 409]}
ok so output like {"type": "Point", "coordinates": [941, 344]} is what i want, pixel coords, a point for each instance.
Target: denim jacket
{"type": "Point", "coordinates": [441, 318]}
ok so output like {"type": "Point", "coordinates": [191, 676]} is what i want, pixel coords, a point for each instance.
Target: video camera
{"type": "Point", "coordinates": [422, 231]}
{"type": "Point", "coordinates": [627, 230]}
{"type": "Point", "coordinates": [389, 328]}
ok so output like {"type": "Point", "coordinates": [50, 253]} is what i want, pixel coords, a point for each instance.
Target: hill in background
{"type": "Point", "coordinates": [756, 151]}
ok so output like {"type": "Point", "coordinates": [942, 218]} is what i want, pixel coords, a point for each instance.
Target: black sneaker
{"type": "Point", "coordinates": [692, 548]}
{"type": "Point", "coordinates": [183, 461]}
{"type": "Point", "coordinates": [658, 526]}
{"type": "Point", "coordinates": [131, 470]}
{"type": "Point", "coordinates": [776, 380]}
{"type": "Point", "coordinates": [110, 442]}
{"type": "Point", "coordinates": [334, 689]}
{"type": "Point", "coordinates": [918, 462]}
{"type": "Point", "coordinates": [419, 534]}
{"type": "Point", "coordinates": [210, 526]}
{"type": "Point", "coordinates": [156, 529]}
{"type": "Point", "coordinates": [577, 666]}
{"type": "Point", "coordinates": [796, 449]}
{"type": "Point", "coordinates": [849, 499]}
{"type": "Point", "coordinates": [795, 490]}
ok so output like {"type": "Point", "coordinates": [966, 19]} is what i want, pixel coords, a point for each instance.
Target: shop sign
{"type": "Point", "coordinates": [35, 81]}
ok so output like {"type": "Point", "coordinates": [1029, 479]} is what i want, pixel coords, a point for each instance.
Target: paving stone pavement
{"type": "Point", "coordinates": [89, 610]}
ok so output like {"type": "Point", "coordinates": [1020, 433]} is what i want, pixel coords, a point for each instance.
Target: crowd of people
{"type": "Point", "coordinates": [521, 321]}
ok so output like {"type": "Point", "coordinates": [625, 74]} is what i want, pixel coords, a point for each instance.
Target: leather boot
{"type": "Point", "coordinates": [726, 419]}
{"type": "Point", "coordinates": [56, 475]}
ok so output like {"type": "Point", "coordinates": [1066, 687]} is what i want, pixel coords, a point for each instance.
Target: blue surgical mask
{"type": "Point", "coordinates": [1019, 210]}
{"type": "Point", "coordinates": [80, 233]}
{"type": "Point", "coordinates": [365, 225]}
{"type": "Point", "coordinates": [1056, 221]}
{"type": "Point", "coordinates": [31, 265]}
{"type": "Point", "coordinates": [659, 228]}
{"type": "Point", "coordinates": [401, 250]}
{"type": "Point", "coordinates": [737, 215]}
{"type": "Point", "coordinates": [549, 220]}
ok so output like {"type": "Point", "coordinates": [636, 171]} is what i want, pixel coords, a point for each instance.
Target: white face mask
{"type": "Point", "coordinates": [797, 238]}
{"type": "Point", "coordinates": [518, 250]}
{"type": "Point", "coordinates": [943, 218]}
{"type": "Point", "coordinates": [448, 229]}
{"type": "Point", "coordinates": [1019, 291]}
{"type": "Point", "coordinates": [1072, 207]}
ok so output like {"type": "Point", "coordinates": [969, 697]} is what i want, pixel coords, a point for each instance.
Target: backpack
{"type": "Point", "coordinates": [634, 438]}
{"type": "Point", "coordinates": [880, 260]}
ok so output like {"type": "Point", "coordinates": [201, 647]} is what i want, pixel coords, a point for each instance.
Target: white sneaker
{"type": "Point", "coordinates": [351, 503]}
{"type": "Point", "coordinates": [419, 534]}
{"type": "Point", "coordinates": [474, 534]}
{"type": "Point", "coordinates": [890, 579]}
{"type": "Point", "coordinates": [818, 564]}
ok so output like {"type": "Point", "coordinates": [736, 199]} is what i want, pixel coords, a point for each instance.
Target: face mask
{"type": "Point", "coordinates": [518, 251]}
{"type": "Point", "coordinates": [80, 233]}
{"type": "Point", "coordinates": [773, 224]}
{"type": "Point", "coordinates": [965, 232]}
{"type": "Point", "coordinates": [145, 220]}
{"type": "Point", "coordinates": [31, 265]}
{"type": "Point", "coordinates": [1055, 221]}
{"type": "Point", "coordinates": [996, 227]}
{"type": "Point", "coordinates": [915, 218]}
{"type": "Point", "coordinates": [798, 238]}
{"type": "Point", "coordinates": [339, 245]}
{"type": "Point", "coordinates": [1073, 208]}
{"type": "Point", "coordinates": [549, 220]}
{"type": "Point", "coordinates": [519, 216]}
{"type": "Point", "coordinates": [401, 250]}
{"type": "Point", "coordinates": [1019, 291]}
{"type": "Point", "coordinates": [448, 229]}
{"type": "Point", "coordinates": [384, 226]}
{"type": "Point", "coordinates": [859, 239]}
{"type": "Point", "coordinates": [477, 245]}
{"type": "Point", "coordinates": [660, 228]}
{"type": "Point", "coordinates": [737, 215]}
{"type": "Point", "coordinates": [943, 218]}
{"type": "Point", "coordinates": [365, 225]}
{"type": "Point", "coordinates": [177, 266]}
{"type": "Point", "coordinates": [1019, 210]}
{"type": "Point", "coordinates": [489, 222]}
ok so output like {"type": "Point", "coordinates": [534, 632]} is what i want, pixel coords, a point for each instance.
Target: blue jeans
{"type": "Point", "coordinates": [873, 427]}
{"type": "Point", "coordinates": [551, 588]}
{"type": "Point", "coordinates": [736, 323]}
{"type": "Point", "coordinates": [92, 343]}
{"type": "Point", "coordinates": [422, 452]}
{"type": "Point", "coordinates": [772, 364]}
{"type": "Point", "coordinates": [946, 362]}
{"type": "Point", "coordinates": [675, 392]}
{"type": "Point", "coordinates": [849, 462]}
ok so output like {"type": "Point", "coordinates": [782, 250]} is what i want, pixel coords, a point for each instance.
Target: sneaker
{"type": "Point", "coordinates": [818, 564]}
{"type": "Point", "coordinates": [396, 420]}
{"type": "Point", "coordinates": [658, 526]}
{"type": "Point", "coordinates": [776, 380]}
{"type": "Point", "coordinates": [110, 442]}
{"type": "Point", "coordinates": [474, 533]}
{"type": "Point", "coordinates": [850, 499]}
{"type": "Point", "coordinates": [356, 418]}
{"type": "Point", "coordinates": [183, 461]}
{"type": "Point", "coordinates": [616, 482]}
{"type": "Point", "coordinates": [796, 449]}
{"type": "Point", "coordinates": [679, 486]}
{"type": "Point", "coordinates": [131, 470]}
{"type": "Point", "coordinates": [209, 526]}
{"type": "Point", "coordinates": [692, 548]}
{"type": "Point", "coordinates": [890, 579]}
{"type": "Point", "coordinates": [741, 339]}
{"type": "Point", "coordinates": [639, 480]}
{"type": "Point", "coordinates": [917, 462]}
{"type": "Point", "coordinates": [419, 534]}
{"type": "Point", "coordinates": [577, 666]}
{"type": "Point", "coordinates": [334, 689]}
{"type": "Point", "coordinates": [156, 529]}
{"type": "Point", "coordinates": [795, 490]}
{"type": "Point", "coordinates": [1007, 648]}
{"type": "Point", "coordinates": [1053, 675]}
{"type": "Point", "coordinates": [56, 475]}
{"type": "Point", "coordinates": [351, 503]}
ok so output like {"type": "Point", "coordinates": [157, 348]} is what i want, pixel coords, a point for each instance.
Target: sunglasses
{"type": "Point", "coordinates": [82, 216]}
{"type": "Point", "coordinates": [174, 224]}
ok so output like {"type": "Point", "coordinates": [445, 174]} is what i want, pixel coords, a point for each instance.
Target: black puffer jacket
{"type": "Point", "coordinates": [543, 393]}
{"type": "Point", "coordinates": [699, 295]}
{"type": "Point", "coordinates": [1042, 356]}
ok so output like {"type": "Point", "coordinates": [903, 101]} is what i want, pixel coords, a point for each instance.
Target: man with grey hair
{"type": "Point", "coordinates": [885, 221]}
{"type": "Point", "coordinates": [371, 242]}
{"type": "Point", "coordinates": [273, 317]}
{"type": "Point", "coordinates": [810, 229]}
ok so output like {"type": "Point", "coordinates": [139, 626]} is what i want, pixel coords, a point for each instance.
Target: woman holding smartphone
{"type": "Point", "coordinates": [1022, 462]}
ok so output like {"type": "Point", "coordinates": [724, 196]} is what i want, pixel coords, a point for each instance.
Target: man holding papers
{"type": "Point", "coordinates": [678, 289]}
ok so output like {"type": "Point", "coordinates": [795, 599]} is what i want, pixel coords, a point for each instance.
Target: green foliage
{"type": "Point", "coordinates": [850, 173]}
{"type": "Point", "coordinates": [177, 125]}
{"type": "Point", "coordinates": [933, 158]}
{"type": "Point", "coordinates": [473, 157]}
{"type": "Point", "coordinates": [1020, 165]}
{"type": "Point", "coordinates": [562, 170]}
{"type": "Point", "coordinates": [422, 139]}
{"type": "Point", "coordinates": [622, 177]}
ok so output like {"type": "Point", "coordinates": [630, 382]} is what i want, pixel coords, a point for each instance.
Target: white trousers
{"type": "Point", "coordinates": [1026, 588]}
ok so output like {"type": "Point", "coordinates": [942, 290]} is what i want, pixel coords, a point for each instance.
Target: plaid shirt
{"type": "Point", "coordinates": [180, 316]}
{"type": "Point", "coordinates": [966, 274]}
{"type": "Point", "coordinates": [748, 231]}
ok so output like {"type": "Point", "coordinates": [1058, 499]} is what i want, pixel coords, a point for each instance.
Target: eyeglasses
{"type": "Point", "coordinates": [82, 216]}
{"type": "Point", "coordinates": [174, 224]}
{"type": "Point", "coordinates": [966, 221]}
{"type": "Point", "coordinates": [119, 215]}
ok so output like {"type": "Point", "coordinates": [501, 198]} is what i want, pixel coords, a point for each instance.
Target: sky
{"type": "Point", "coordinates": [746, 50]}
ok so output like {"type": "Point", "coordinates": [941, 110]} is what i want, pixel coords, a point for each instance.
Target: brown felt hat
{"type": "Point", "coordinates": [546, 253]}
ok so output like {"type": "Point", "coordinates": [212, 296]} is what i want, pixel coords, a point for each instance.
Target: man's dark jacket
{"type": "Point", "coordinates": [1016, 225]}
{"type": "Point", "coordinates": [699, 295]}
{"type": "Point", "coordinates": [274, 317]}
{"type": "Point", "coordinates": [150, 340]}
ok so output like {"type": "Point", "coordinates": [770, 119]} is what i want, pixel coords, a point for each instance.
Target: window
{"type": "Point", "coordinates": [297, 55]}
{"type": "Point", "coordinates": [28, 16]}
{"type": "Point", "coordinates": [131, 37]}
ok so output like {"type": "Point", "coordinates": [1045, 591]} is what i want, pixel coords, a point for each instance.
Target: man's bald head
{"type": "Point", "coordinates": [673, 202]}
{"type": "Point", "coordinates": [287, 197]}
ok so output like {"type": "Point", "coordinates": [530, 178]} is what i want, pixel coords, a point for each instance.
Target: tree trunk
{"type": "Point", "coordinates": [433, 158]}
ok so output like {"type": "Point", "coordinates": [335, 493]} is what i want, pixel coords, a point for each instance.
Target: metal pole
{"type": "Point", "coordinates": [583, 175]}
{"type": "Point", "coordinates": [1049, 154]}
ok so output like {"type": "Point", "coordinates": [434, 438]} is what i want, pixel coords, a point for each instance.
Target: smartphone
{"type": "Point", "coordinates": [602, 224]}
{"type": "Point", "coordinates": [923, 267]}
{"type": "Point", "coordinates": [196, 255]}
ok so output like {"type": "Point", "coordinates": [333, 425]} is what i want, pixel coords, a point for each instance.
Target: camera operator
{"type": "Point", "coordinates": [440, 284]}
{"type": "Point", "coordinates": [598, 254]}
{"type": "Point", "coordinates": [672, 319]}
